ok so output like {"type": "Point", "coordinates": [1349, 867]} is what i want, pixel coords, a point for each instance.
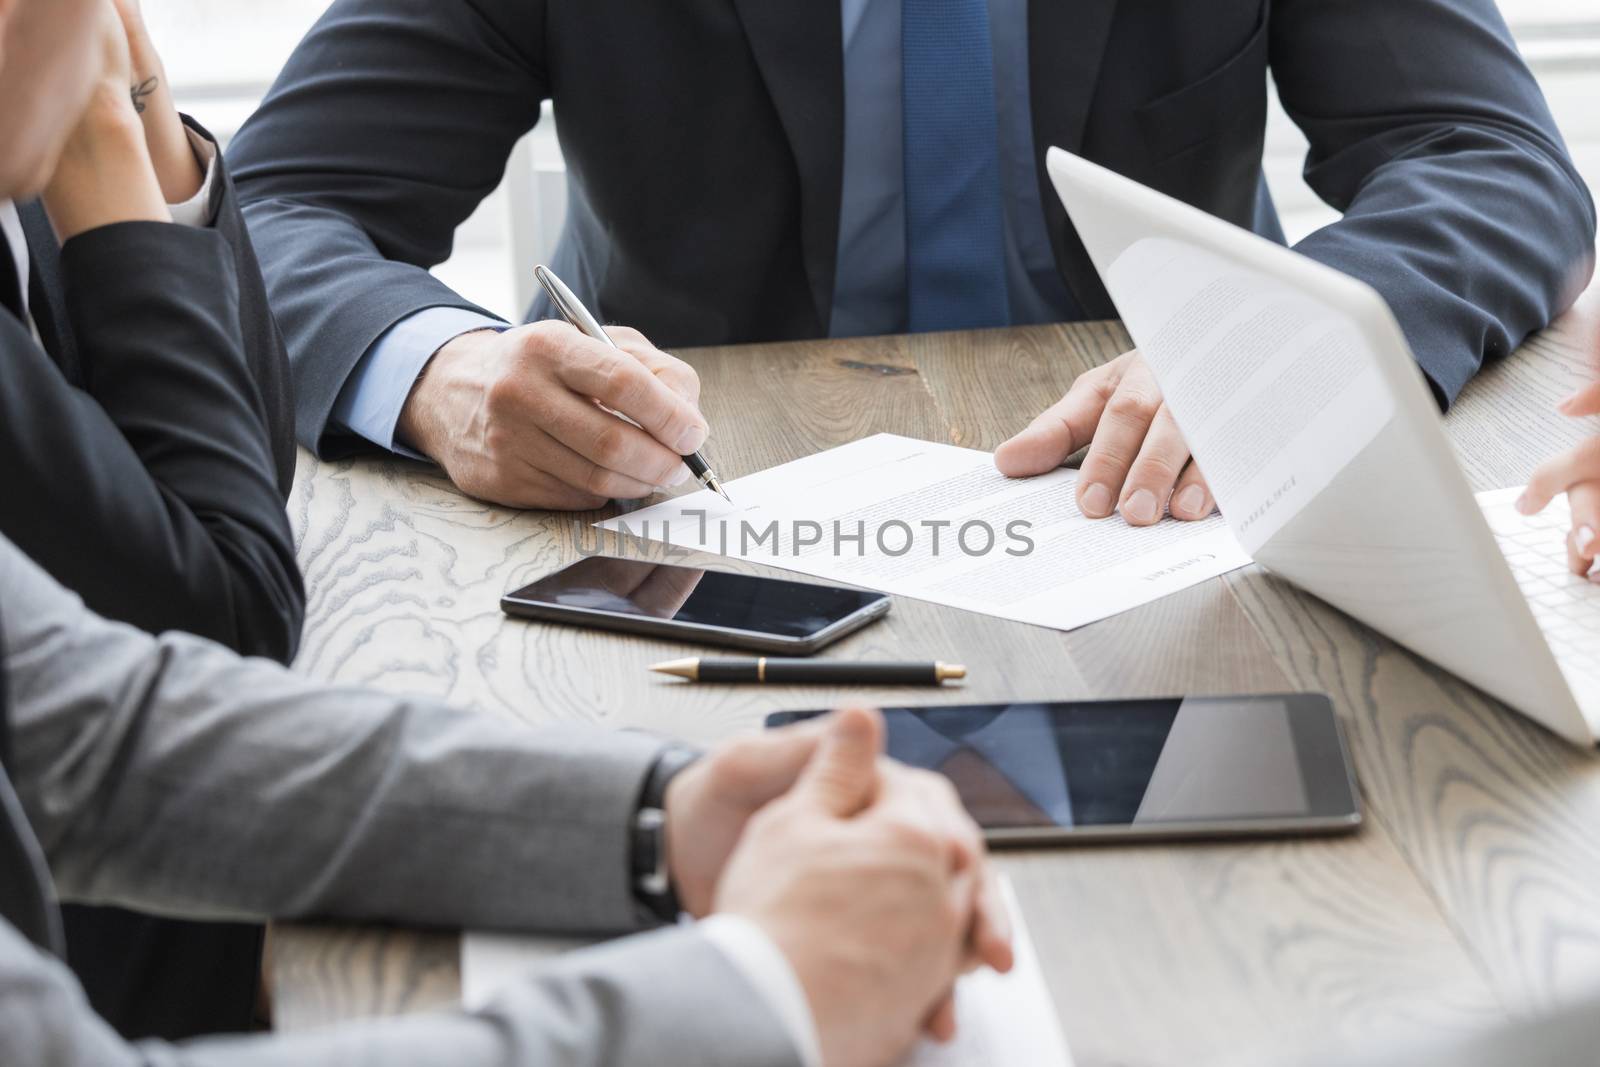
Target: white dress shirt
{"type": "Point", "coordinates": [11, 225]}
{"type": "Point", "coordinates": [765, 967]}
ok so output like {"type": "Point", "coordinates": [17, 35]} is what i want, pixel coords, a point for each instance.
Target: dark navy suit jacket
{"type": "Point", "coordinates": [704, 145]}
{"type": "Point", "coordinates": [146, 448]}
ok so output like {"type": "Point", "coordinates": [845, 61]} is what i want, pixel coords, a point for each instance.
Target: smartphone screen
{"type": "Point", "coordinates": [1198, 764]}
{"type": "Point", "coordinates": [690, 596]}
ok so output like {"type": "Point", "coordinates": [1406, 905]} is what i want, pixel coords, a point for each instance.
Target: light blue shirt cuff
{"type": "Point", "coordinates": [370, 402]}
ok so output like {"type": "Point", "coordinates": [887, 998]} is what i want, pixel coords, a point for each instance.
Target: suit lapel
{"type": "Point", "coordinates": [46, 301]}
{"type": "Point", "coordinates": [1066, 47]}
{"type": "Point", "coordinates": [799, 48]}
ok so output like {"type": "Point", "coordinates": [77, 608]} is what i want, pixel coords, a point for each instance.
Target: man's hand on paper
{"type": "Point", "coordinates": [874, 883]}
{"type": "Point", "coordinates": [516, 418]}
{"type": "Point", "coordinates": [1576, 473]}
{"type": "Point", "coordinates": [1138, 462]}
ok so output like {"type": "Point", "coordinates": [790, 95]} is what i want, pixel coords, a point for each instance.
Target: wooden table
{"type": "Point", "coordinates": [1473, 893]}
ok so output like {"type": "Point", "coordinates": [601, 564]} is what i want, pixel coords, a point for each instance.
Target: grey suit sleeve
{"type": "Point", "coordinates": [669, 999]}
{"type": "Point", "coordinates": [1462, 206]}
{"type": "Point", "coordinates": [172, 776]}
{"type": "Point", "coordinates": [390, 123]}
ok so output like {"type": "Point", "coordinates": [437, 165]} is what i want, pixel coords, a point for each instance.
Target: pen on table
{"type": "Point", "coordinates": [808, 671]}
{"type": "Point", "coordinates": [571, 308]}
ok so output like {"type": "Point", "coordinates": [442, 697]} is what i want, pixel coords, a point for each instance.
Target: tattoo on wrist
{"type": "Point", "coordinates": [143, 91]}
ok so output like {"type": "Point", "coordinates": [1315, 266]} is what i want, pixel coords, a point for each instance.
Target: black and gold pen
{"type": "Point", "coordinates": [569, 307]}
{"type": "Point", "coordinates": [811, 672]}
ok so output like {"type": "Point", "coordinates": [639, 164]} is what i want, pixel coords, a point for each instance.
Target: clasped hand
{"type": "Point", "coordinates": [129, 155]}
{"type": "Point", "coordinates": [870, 877]}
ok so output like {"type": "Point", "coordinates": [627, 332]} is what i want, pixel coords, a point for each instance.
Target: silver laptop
{"type": "Point", "coordinates": [1301, 401]}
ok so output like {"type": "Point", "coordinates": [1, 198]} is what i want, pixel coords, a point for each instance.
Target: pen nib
{"type": "Point", "coordinates": [680, 668]}
{"type": "Point", "coordinates": [716, 487]}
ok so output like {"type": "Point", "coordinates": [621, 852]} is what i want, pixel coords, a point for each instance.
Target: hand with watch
{"type": "Point", "coordinates": [652, 875]}
{"type": "Point", "coordinates": [869, 877]}
{"type": "Point", "coordinates": [694, 806]}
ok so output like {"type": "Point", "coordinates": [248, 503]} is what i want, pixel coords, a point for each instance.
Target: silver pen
{"type": "Point", "coordinates": [572, 309]}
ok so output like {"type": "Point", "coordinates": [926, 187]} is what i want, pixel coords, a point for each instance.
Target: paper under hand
{"type": "Point", "coordinates": [940, 523]}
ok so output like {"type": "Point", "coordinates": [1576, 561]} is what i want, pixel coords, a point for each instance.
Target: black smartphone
{"type": "Point", "coordinates": [691, 604]}
{"type": "Point", "coordinates": [1124, 769]}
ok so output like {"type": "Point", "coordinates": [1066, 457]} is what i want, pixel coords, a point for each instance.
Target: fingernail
{"type": "Point", "coordinates": [682, 476]}
{"type": "Point", "coordinates": [1097, 501]}
{"type": "Point", "coordinates": [1140, 508]}
{"type": "Point", "coordinates": [1524, 505]}
{"type": "Point", "coordinates": [1191, 501]}
{"type": "Point", "coordinates": [692, 439]}
{"type": "Point", "coordinates": [1583, 538]}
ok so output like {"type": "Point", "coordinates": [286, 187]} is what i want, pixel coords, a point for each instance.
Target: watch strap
{"type": "Point", "coordinates": [652, 881]}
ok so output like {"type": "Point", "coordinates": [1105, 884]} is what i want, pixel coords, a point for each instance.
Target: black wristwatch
{"type": "Point", "coordinates": [652, 881]}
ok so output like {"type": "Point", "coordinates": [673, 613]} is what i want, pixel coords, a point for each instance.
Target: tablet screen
{"type": "Point", "coordinates": [1132, 763]}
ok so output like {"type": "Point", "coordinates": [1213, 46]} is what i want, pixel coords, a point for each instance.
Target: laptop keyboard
{"type": "Point", "coordinates": [1566, 607]}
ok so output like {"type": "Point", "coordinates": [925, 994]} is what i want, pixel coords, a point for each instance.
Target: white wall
{"type": "Point", "coordinates": [221, 55]}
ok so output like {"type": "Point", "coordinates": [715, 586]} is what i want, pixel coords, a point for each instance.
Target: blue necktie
{"type": "Point", "coordinates": [955, 255]}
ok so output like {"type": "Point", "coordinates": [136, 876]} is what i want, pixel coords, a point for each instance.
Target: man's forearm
{"type": "Point", "coordinates": [1468, 274]}
{"type": "Point", "coordinates": [1462, 206]}
{"type": "Point", "coordinates": [173, 776]}
{"type": "Point", "coordinates": [387, 127]}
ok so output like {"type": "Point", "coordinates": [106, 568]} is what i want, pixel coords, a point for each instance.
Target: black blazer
{"type": "Point", "coordinates": [704, 144]}
{"type": "Point", "coordinates": [147, 448]}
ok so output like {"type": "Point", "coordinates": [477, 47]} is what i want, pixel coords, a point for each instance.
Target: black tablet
{"type": "Point", "coordinates": [1116, 769]}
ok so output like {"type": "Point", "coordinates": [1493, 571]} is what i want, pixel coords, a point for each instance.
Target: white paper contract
{"type": "Point", "coordinates": [939, 523]}
{"type": "Point", "coordinates": [1001, 1019]}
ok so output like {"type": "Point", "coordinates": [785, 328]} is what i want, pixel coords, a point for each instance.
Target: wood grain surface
{"type": "Point", "coordinates": [1473, 893]}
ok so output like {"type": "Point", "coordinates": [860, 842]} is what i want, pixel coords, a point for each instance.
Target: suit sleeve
{"type": "Point", "coordinates": [151, 489]}
{"type": "Point", "coordinates": [171, 775]}
{"type": "Point", "coordinates": [389, 125]}
{"type": "Point", "coordinates": [1461, 205]}
{"type": "Point", "coordinates": [264, 349]}
{"type": "Point", "coordinates": [668, 999]}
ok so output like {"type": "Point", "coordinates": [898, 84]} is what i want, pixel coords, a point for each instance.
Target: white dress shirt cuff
{"type": "Point", "coordinates": [766, 968]}
{"type": "Point", "coordinates": [196, 212]}
{"type": "Point", "coordinates": [370, 402]}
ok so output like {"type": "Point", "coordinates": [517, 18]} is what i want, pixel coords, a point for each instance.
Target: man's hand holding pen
{"type": "Point", "coordinates": [516, 418]}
